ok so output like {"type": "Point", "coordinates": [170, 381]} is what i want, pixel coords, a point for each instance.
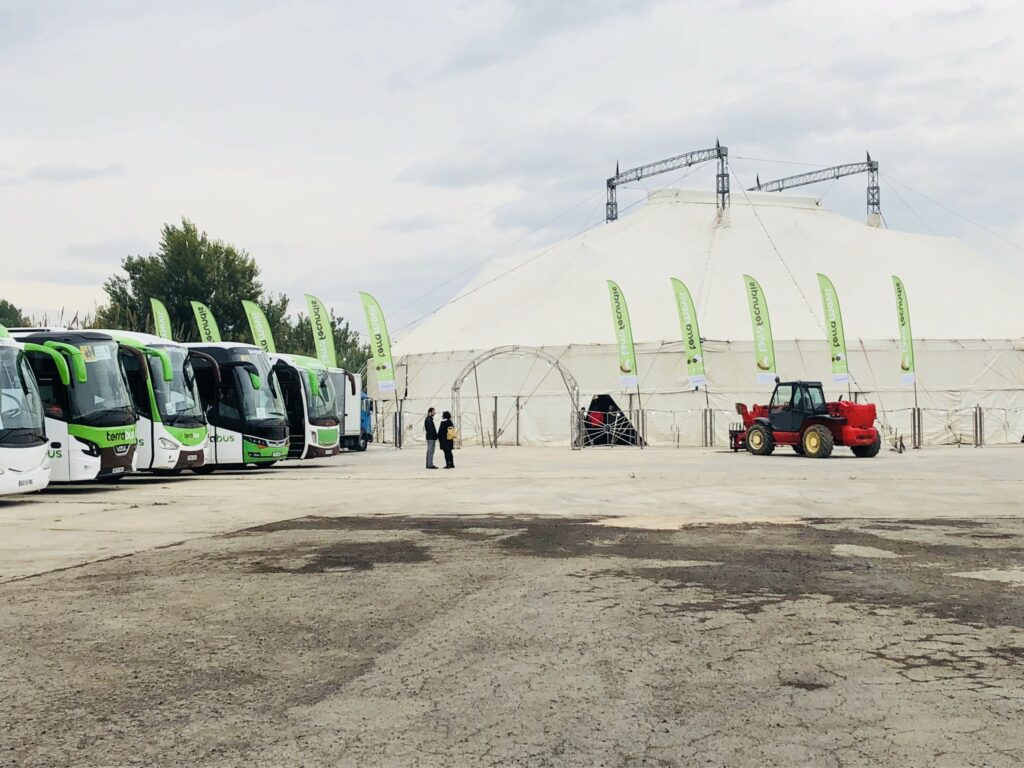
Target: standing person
{"type": "Point", "coordinates": [430, 432]}
{"type": "Point", "coordinates": [446, 436]}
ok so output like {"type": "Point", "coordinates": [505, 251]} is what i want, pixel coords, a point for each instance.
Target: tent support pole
{"type": "Point", "coordinates": [917, 418]}
{"type": "Point", "coordinates": [517, 421]}
{"type": "Point", "coordinates": [479, 408]}
{"type": "Point", "coordinates": [398, 423]}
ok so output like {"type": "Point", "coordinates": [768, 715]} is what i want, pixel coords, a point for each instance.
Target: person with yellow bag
{"type": "Point", "coordinates": [446, 436]}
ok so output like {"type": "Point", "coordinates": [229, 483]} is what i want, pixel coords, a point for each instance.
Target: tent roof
{"type": "Point", "coordinates": [557, 295]}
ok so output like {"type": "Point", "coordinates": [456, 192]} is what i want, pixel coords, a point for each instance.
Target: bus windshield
{"type": "Point", "coordinates": [102, 400]}
{"type": "Point", "coordinates": [21, 410]}
{"type": "Point", "coordinates": [324, 404]}
{"type": "Point", "coordinates": [341, 390]}
{"type": "Point", "coordinates": [177, 400]}
{"type": "Point", "coordinates": [265, 402]}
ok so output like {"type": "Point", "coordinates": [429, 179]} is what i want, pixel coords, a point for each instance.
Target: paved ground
{"type": "Point", "coordinates": [726, 611]}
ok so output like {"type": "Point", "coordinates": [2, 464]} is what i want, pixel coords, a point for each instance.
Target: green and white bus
{"type": "Point", "coordinates": [172, 429]}
{"type": "Point", "coordinates": [24, 464]}
{"type": "Point", "coordinates": [90, 419]}
{"type": "Point", "coordinates": [311, 404]}
{"type": "Point", "coordinates": [244, 407]}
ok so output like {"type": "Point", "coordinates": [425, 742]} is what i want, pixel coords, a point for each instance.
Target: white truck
{"type": "Point", "coordinates": [355, 409]}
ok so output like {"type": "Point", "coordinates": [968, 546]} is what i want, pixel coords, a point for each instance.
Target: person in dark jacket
{"type": "Point", "coordinates": [430, 433]}
{"type": "Point", "coordinates": [446, 444]}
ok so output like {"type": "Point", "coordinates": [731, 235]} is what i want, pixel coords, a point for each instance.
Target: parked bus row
{"type": "Point", "coordinates": [82, 405]}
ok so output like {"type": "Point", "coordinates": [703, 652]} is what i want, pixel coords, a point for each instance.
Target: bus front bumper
{"type": "Point", "coordinates": [319, 451]}
{"type": "Point", "coordinates": [34, 479]}
{"type": "Point", "coordinates": [190, 459]}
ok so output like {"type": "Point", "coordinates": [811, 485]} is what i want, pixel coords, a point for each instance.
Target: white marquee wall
{"type": "Point", "coordinates": [954, 377]}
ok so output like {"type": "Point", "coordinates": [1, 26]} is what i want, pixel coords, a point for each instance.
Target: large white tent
{"type": "Point", "coordinates": [551, 308]}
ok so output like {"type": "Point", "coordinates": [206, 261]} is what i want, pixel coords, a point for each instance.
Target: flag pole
{"type": "Point", "coordinates": [640, 413]}
{"type": "Point", "coordinates": [398, 422]}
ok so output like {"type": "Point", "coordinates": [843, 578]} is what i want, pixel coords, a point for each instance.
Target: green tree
{"type": "Point", "coordinates": [188, 266]}
{"type": "Point", "coordinates": [351, 354]}
{"type": "Point", "coordinates": [10, 315]}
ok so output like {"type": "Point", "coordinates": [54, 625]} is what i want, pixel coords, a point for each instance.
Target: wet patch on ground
{"type": "Point", "coordinates": [454, 640]}
{"type": "Point", "coordinates": [753, 565]}
{"type": "Point", "coordinates": [343, 556]}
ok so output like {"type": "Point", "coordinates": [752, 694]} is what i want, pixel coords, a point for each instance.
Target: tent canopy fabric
{"type": "Point", "coordinates": [557, 295]}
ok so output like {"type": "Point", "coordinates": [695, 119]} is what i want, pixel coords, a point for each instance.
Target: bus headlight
{"type": "Point", "coordinates": [90, 449]}
{"type": "Point", "coordinates": [168, 445]}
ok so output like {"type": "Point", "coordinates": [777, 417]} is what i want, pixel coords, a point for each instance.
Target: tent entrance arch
{"type": "Point", "coordinates": [572, 388]}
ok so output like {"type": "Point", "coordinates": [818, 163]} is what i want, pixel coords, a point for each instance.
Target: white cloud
{"type": "Point", "coordinates": [391, 146]}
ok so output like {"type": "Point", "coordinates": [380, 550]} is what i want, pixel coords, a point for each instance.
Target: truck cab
{"type": "Point", "coordinates": [794, 402]}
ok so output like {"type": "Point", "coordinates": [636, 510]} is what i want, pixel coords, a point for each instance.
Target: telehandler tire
{"type": "Point", "coordinates": [760, 440]}
{"type": "Point", "coordinates": [867, 451]}
{"type": "Point", "coordinates": [817, 442]}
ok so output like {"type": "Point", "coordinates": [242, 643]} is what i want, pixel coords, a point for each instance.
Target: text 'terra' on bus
{"type": "Point", "coordinates": [172, 427]}
{"type": "Point", "coordinates": [90, 419]}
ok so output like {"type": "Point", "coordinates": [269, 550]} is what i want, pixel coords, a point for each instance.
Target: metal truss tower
{"type": "Point", "coordinates": [870, 167]}
{"type": "Point", "coordinates": [718, 152]}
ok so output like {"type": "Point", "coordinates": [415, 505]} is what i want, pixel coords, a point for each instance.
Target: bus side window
{"type": "Point", "coordinates": [137, 383]}
{"type": "Point", "coordinates": [51, 391]}
{"type": "Point", "coordinates": [229, 407]}
{"type": "Point", "coordinates": [205, 381]}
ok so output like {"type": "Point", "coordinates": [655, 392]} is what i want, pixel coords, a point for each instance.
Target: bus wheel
{"type": "Point", "coordinates": [361, 445]}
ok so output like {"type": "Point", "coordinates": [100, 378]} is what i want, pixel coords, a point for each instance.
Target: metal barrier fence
{"type": "Point", "coordinates": [912, 428]}
{"type": "Point", "coordinates": [507, 426]}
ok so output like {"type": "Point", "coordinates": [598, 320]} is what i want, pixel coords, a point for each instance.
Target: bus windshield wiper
{"type": "Point", "coordinates": [25, 431]}
{"type": "Point", "coordinates": [173, 418]}
{"type": "Point", "coordinates": [93, 417]}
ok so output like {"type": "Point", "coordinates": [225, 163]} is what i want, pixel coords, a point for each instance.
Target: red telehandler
{"type": "Point", "coordinates": [799, 417]}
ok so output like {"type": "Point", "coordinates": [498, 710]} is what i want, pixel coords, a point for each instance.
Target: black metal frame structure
{"type": "Point", "coordinates": [870, 167]}
{"type": "Point", "coordinates": [718, 152]}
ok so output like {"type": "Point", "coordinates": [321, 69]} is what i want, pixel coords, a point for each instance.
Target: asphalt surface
{"type": "Point", "coordinates": [511, 639]}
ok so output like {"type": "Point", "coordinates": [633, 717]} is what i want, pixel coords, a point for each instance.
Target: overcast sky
{"type": "Point", "coordinates": [389, 146]}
